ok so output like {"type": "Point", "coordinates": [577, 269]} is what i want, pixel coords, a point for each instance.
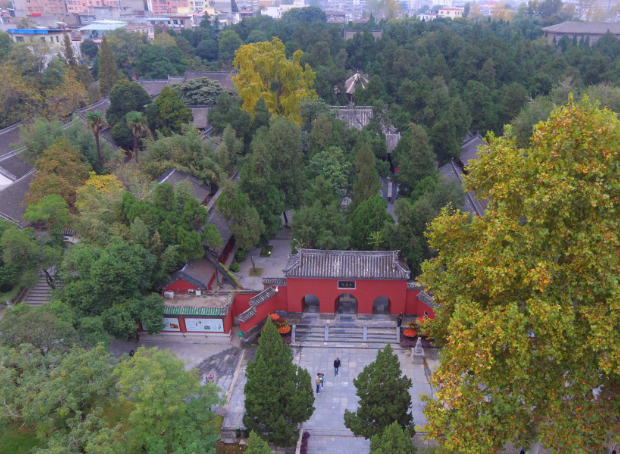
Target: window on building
{"type": "Point", "coordinates": [57, 39]}
{"type": "Point", "coordinates": [43, 38]}
{"type": "Point", "coordinates": [30, 9]}
{"type": "Point", "coordinates": [20, 39]}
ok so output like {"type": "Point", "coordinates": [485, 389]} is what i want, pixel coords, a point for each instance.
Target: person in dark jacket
{"type": "Point", "coordinates": [400, 319]}
{"type": "Point", "coordinates": [336, 366]}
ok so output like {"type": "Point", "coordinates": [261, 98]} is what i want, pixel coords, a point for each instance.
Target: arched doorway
{"type": "Point", "coordinates": [310, 304]}
{"type": "Point", "coordinates": [346, 304]}
{"type": "Point", "coordinates": [381, 306]}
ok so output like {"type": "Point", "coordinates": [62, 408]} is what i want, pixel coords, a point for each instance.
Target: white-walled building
{"type": "Point", "coordinates": [452, 13]}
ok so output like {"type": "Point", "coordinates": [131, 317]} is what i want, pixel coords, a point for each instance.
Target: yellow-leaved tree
{"type": "Point", "coordinates": [265, 72]}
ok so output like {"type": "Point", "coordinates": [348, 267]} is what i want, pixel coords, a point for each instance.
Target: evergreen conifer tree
{"type": "Point", "coordinates": [384, 397]}
{"type": "Point", "coordinates": [278, 394]}
{"type": "Point", "coordinates": [256, 445]}
{"type": "Point", "coordinates": [394, 440]}
{"type": "Point", "coordinates": [108, 71]}
{"type": "Point", "coordinates": [68, 51]}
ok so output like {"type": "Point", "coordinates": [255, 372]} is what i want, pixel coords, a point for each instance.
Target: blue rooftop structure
{"type": "Point", "coordinates": [34, 31]}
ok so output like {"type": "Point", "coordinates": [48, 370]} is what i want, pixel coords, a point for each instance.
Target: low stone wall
{"type": "Point", "coordinates": [250, 336]}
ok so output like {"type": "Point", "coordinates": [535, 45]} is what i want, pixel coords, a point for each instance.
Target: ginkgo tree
{"type": "Point", "coordinates": [265, 72]}
{"type": "Point", "coordinates": [529, 293]}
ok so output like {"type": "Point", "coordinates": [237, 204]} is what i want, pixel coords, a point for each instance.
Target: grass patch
{"type": "Point", "coordinates": [256, 271]}
{"type": "Point", "coordinates": [216, 423]}
{"type": "Point", "coordinates": [223, 448]}
{"type": "Point", "coordinates": [16, 440]}
{"type": "Point", "coordinates": [266, 251]}
{"type": "Point", "coordinates": [10, 295]}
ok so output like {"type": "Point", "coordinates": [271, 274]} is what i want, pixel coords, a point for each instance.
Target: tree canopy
{"type": "Point", "coordinates": [265, 72]}
{"type": "Point", "coordinates": [528, 293]}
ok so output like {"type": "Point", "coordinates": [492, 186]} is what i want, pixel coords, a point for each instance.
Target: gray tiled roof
{"type": "Point", "coordinates": [12, 206]}
{"type": "Point", "coordinates": [314, 263]}
{"type": "Point", "coordinates": [176, 79]}
{"type": "Point", "coordinates": [14, 166]}
{"type": "Point", "coordinates": [9, 136]}
{"type": "Point", "coordinates": [217, 219]}
{"type": "Point", "coordinates": [197, 272]}
{"type": "Point", "coordinates": [428, 300]}
{"type": "Point", "coordinates": [355, 117]}
{"type": "Point", "coordinates": [247, 315]}
{"type": "Point", "coordinates": [200, 116]}
{"type": "Point", "coordinates": [584, 28]}
{"type": "Point", "coordinates": [199, 191]}
{"type": "Point", "coordinates": [263, 296]}
{"type": "Point", "coordinates": [101, 106]}
{"type": "Point", "coordinates": [453, 171]}
{"type": "Point", "coordinates": [470, 149]}
{"type": "Point", "coordinates": [153, 87]}
{"type": "Point", "coordinates": [223, 77]}
{"type": "Point", "coordinates": [279, 281]}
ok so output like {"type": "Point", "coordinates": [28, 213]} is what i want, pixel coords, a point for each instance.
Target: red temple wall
{"type": "Point", "coordinates": [365, 292]}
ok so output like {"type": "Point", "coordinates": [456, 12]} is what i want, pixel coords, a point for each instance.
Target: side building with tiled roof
{"type": "Point", "coordinates": [455, 169]}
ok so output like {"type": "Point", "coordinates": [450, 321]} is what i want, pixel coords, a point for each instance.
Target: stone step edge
{"type": "Point", "coordinates": [395, 346]}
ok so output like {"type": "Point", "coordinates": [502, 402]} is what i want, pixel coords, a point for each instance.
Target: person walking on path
{"type": "Point", "coordinates": [322, 377]}
{"type": "Point", "coordinates": [336, 366]}
{"type": "Point", "coordinates": [400, 319]}
{"type": "Point", "coordinates": [318, 383]}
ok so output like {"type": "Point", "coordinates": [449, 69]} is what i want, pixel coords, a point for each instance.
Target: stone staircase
{"type": "Point", "coordinates": [346, 334]}
{"type": "Point", "coordinates": [38, 295]}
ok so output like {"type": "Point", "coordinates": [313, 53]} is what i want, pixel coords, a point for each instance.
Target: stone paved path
{"type": "Point", "coordinates": [326, 426]}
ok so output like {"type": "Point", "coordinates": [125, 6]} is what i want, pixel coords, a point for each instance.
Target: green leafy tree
{"type": "Point", "coordinates": [384, 398]}
{"type": "Point", "coordinates": [96, 122]}
{"type": "Point", "coordinates": [278, 394]}
{"type": "Point", "coordinates": [172, 412]}
{"type": "Point", "coordinates": [30, 255]}
{"type": "Point", "coordinates": [245, 222]}
{"type": "Point", "coordinates": [369, 217]}
{"type": "Point", "coordinates": [527, 327]}
{"type": "Point", "coordinates": [171, 112]}
{"type": "Point", "coordinates": [112, 282]}
{"type": "Point", "coordinates": [394, 440]}
{"type": "Point", "coordinates": [125, 97]}
{"type": "Point", "coordinates": [284, 146]}
{"type": "Point", "coordinates": [89, 48]}
{"type": "Point", "coordinates": [367, 183]}
{"type": "Point", "coordinates": [108, 71]}
{"type": "Point", "coordinates": [332, 165]}
{"type": "Point", "coordinates": [257, 181]}
{"type": "Point", "coordinates": [320, 223]}
{"type": "Point", "coordinates": [52, 212]}
{"type": "Point", "coordinates": [256, 445]}
{"type": "Point", "coordinates": [415, 159]}
{"type": "Point", "coordinates": [201, 91]}
{"type": "Point", "coordinates": [228, 45]}
{"type": "Point", "coordinates": [48, 328]}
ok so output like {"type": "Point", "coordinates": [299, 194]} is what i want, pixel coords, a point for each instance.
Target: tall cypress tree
{"type": "Point", "coordinates": [367, 183]}
{"type": "Point", "coordinates": [278, 394]}
{"type": "Point", "coordinates": [394, 440]}
{"type": "Point", "coordinates": [384, 397]}
{"type": "Point", "coordinates": [68, 51]}
{"type": "Point", "coordinates": [108, 71]}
